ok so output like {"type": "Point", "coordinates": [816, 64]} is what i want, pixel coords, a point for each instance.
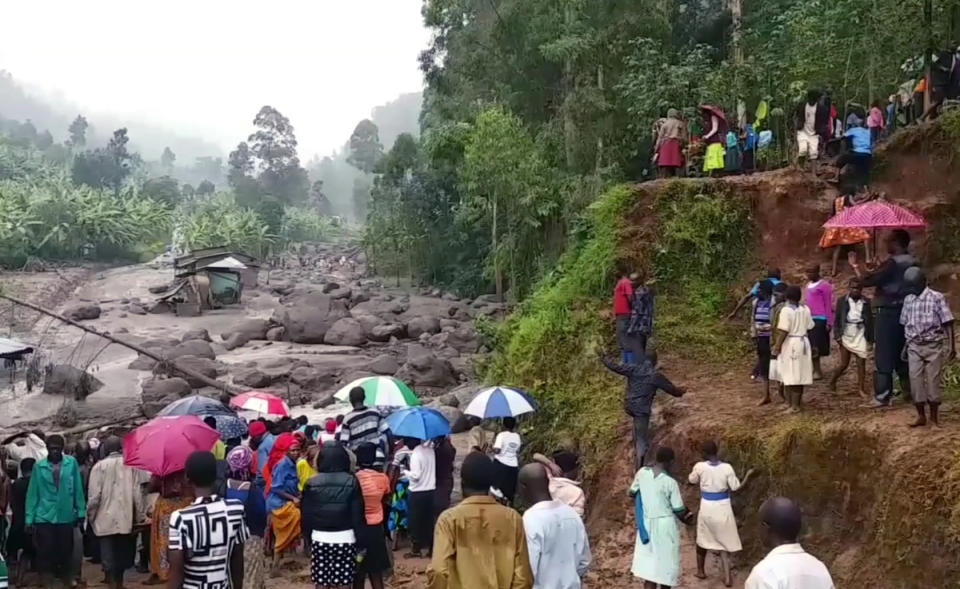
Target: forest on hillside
{"type": "Point", "coordinates": [533, 107]}
{"type": "Point", "coordinates": [70, 193]}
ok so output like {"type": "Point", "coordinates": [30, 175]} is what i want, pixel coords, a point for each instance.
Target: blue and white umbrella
{"type": "Point", "coordinates": [421, 423]}
{"type": "Point", "coordinates": [501, 402]}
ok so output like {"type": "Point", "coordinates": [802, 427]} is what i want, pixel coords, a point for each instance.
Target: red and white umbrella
{"type": "Point", "coordinates": [261, 402]}
{"type": "Point", "coordinates": [876, 214]}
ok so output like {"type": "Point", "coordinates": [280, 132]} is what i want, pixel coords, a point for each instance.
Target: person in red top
{"type": "Point", "coordinates": [375, 487]}
{"type": "Point", "coordinates": [622, 295]}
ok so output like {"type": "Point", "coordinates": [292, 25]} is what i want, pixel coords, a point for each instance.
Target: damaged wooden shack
{"type": "Point", "coordinates": [209, 278]}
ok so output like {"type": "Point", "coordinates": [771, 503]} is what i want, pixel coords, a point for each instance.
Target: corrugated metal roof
{"type": "Point", "coordinates": [9, 346]}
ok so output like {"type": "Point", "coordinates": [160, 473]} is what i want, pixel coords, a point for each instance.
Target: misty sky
{"type": "Point", "coordinates": [204, 67]}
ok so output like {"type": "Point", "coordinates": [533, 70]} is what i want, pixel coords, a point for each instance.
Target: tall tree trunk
{"type": "Point", "coordinates": [599, 161]}
{"type": "Point", "coordinates": [497, 272]}
{"type": "Point", "coordinates": [569, 124]}
{"type": "Point", "coordinates": [736, 42]}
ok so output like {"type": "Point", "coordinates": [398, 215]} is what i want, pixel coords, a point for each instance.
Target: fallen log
{"type": "Point", "coordinates": [229, 389]}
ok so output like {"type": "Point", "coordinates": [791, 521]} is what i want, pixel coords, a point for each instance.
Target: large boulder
{"type": "Point", "coordinates": [200, 334]}
{"type": "Point", "coordinates": [142, 363]}
{"type": "Point", "coordinates": [309, 323]}
{"type": "Point", "coordinates": [330, 287]}
{"type": "Point", "coordinates": [204, 366]}
{"type": "Point", "coordinates": [69, 381]}
{"type": "Point", "coordinates": [342, 293]}
{"type": "Point", "coordinates": [82, 312]}
{"type": "Point", "coordinates": [423, 368]}
{"type": "Point", "coordinates": [313, 378]}
{"type": "Point", "coordinates": [367, 320]}
{"type": "Point", "coordinates": [195, 347]}
{"type": "Point", "coordinates": [463, 339]}
{"type": "Point", "coordinates": [253, 378]}
{"type": "Point", "coordinates": [157, 393]}
{"type": "Point", "coordinates": [424, 324]}
{"type": "Point", "coordinates": [383, 364]}
{"type": "Point", "coordinates": [458, 421]}
{"type": "Point", "coordinates": [236, 340]}
{"type": "Point", "coordinates": [346, 332]}
{"type": "Point", "coordinates": [383, 333]}
{"type": "Point", "coordinates": [250, 328]}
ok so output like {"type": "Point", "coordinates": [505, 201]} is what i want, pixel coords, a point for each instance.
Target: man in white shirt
{"type": "Point", "coordinates": [556, 537]}
{"type": "Point", "coordinates": [423, 482]}
{"type": "Point", "coordinates": [787, 566]}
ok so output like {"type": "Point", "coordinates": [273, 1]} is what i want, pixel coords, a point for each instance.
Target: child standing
{"type": "Point", "coordinates": [779, 300]}
{"type": "Point", "coordinates": [760, 329]}
{"type": "Point", "coordinates": [928, 327]}
{"type": "Point", "coordinates": [792, 346]}
{"type": "Point", "coordinates": [853, 330]}
{"type": "Point", "coordinates": [819, 299]}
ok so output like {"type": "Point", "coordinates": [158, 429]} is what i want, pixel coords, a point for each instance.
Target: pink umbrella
{"type": "Point", "coordinates": [261, 402]}
{"type": "Point", "coordinates": [161, 446]}
{"type": "Point", "coordinates": [876, 214]}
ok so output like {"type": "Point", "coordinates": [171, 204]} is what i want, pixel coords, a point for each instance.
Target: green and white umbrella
{"type": "Point", "coordinates": [382, 391]}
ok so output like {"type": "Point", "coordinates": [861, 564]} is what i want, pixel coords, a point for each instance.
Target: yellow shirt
{"type": "Point", "coordinates": [304, 472]}
{"type": "Point", "coordinates": [479, 544]}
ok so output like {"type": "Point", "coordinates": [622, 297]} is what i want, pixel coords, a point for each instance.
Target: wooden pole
{"type": "Point", "coordinates": [229, 389]}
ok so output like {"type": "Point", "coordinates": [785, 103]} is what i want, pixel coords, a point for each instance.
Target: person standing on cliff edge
{"type": "Point", "coordinates": [890, 291]}
{"type": "Point", "coordinates": [622, 307]}
{"type": "Point", "coordinates": [643, 382]}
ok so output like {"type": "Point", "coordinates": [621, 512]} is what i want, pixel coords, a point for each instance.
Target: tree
{"type": "Point", "coordinates": [506, 185]}
{"type": "Point", "coordinates": [167, 158]}
{"type": "Point", "coordinates": [318, 199]}
{"type": "Point", "coordinates": [206, 188]}
{"type": "Point", "coordinates": [188, 191]}
{"type": "Point", "coordinates": [274, 145]}
{"type": "Point", "coordinates": [78, 133]}
{"type": "Point", "coordinates": [44, 140]}
{"type": "Point", "coordinates": [239, 169]}
{"type": "Point", "coordinates": [209, 168]}
{"type": "Point", "coordinates": [164, 189]}
{"type": "Point", "coordinates": [107, 167]}
{"type": "Point", "coordinates": [365, 148]}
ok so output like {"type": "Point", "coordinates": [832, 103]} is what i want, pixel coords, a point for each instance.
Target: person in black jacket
{"type": "Point", "coordinates": [332, 510]}
{"type": "Point", "coordinates": [853, 330]}
{"type": "Point", "coordinates": [643, 381]}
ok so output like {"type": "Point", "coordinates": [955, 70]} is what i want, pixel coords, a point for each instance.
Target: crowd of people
{"type": "Point", "coordinates": [339, 492]}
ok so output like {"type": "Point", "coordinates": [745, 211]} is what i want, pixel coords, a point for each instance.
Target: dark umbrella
{"type": "Point", "coordinates": [231, 427]}
{"type": "Point", "coordinates": [196, 405]}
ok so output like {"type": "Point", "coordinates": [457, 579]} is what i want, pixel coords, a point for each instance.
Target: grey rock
{"type": "Point", "coordinates": [324, 399]}
{"type": "Point", "coordinates": [423, 324]}
{"type": "Point", "coordinates": [330, 287]}
{"type": "Point", "coordinates": [83, 312]}
{"type": "Point", "coordinates": [458, 421]}
{"type": "Point", "coordinates": [449, 296]}
{"type": "Point", "coordinates": [425, 369]}
{"type": "Point", "coordinates": [137, 309]}
{"type": "Point", "coordinates": [446, 324]}
{"type": "Point", "coordinates": [308, 324]}
{"type": "Point", "coordinates": [450, 400]}
{"type": "Point", "coordinates": [142, 363]}
{"type": "Point", "coordinates": [157, 393]}
{"type": "Point", "coordinates": [342, 293]}
{"type": "Point", "coordinates": [387, 331]}
{"type": "Point", "coordinates": [346, 332]}
{"type": "Point", "coordinates": [252, 378]}
{"type": "Point", "coordinates": [69, 381]}
{"type": "Point", "coordinates": [237, 340]}
{"type": "Point", "coordinates": [158, 288]}
{"type": "Point", "coordinates": [196, 347]}
{"type": "Point", "coordinates": [275, 334]}
{"type": "Point", "coordinates": [384, 364]}
{"type": "Point", "coordinates": [251, 328]}
{"type": "Point", "coordinates": [199, 334]}
{"type": "Point", "coordinates": [313, 378]}
{"type": "Point", "coordinates": [204, 366]}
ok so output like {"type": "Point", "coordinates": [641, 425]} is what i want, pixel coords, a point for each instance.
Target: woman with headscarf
{"type": "Point", "coordinates": [669, 148]}
{"type": "Point", "coordinates": [283, 493]}
{"type": "Point", "coordinates": [239, 460]}
{"type": "Point", "coordinates": [333, 514]}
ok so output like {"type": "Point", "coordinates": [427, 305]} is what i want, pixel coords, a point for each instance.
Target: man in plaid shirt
{"type": "Point", "coordinates": [928, 326]}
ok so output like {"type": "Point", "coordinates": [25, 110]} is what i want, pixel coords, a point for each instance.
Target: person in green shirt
{"type": "Point", "coordinates": [55, 504]}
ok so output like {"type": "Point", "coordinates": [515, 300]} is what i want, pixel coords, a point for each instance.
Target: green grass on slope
{"type": "Point", "coordinates": [697, 236]}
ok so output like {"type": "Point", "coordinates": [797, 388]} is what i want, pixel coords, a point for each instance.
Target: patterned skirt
{"type": "Point", "coordinates": [835, 236]}
{"type": "Point", "coordinates": [160, 533]}
{"type": "Point", "coordinates": [333, 565]}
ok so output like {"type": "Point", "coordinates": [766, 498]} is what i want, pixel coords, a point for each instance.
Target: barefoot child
{"type": "Point", "coordinates": [792, 346]}
{"type": "Point", "coordinates": [853, 330]}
